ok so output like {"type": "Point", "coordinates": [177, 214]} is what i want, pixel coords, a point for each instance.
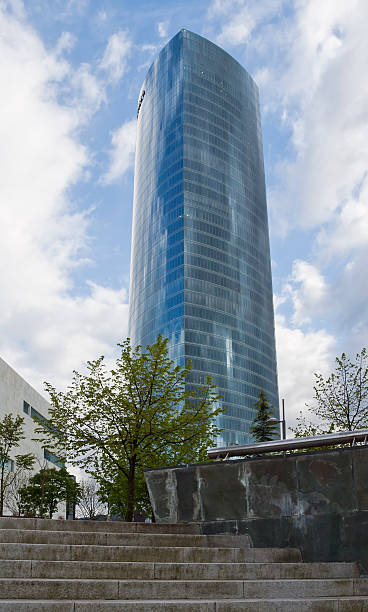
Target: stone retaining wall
{"type": "Point", "coordinates": [316, 501]}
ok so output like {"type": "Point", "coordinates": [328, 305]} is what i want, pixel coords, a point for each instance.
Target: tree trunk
{"type": "Point", "coordinates": [131, 493]}
{"type": "Point", "coordinates": [2, 490]}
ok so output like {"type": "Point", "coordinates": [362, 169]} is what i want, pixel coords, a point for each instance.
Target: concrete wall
{"type": "Point", "coordinates": [14, 391]}
{"type": "Point", "coordinates": [317, 501]}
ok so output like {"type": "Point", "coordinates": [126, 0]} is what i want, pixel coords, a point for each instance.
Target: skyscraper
{"type": "Point", "coordinates": [200, 266]}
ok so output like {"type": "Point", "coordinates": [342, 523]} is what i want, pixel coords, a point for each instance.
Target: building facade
{"type": "Point", "coordinates": [200, 265]}
{"type": "Point", "coordinates": [19, 398]}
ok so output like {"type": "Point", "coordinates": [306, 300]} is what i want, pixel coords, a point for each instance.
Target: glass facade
{"type": "Point", "coordinates": [200, 267]}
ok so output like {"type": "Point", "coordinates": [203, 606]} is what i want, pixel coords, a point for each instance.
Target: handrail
{"type": "Point", "coordinates": [257, 448]}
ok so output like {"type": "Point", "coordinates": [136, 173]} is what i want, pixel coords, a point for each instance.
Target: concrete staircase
{"type": "Point", "coordinates": [80, 566]}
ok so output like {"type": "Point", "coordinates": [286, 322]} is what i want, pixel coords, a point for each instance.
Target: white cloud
{"type": "Point", "coordinates": [45, 329]}
{"type": "Point", "coordinates": [309, 58]}
{"type": "Point", "coordinates": [339, 303]}
{"type": "Point", "coordinates": [221, 8]}
{"type": "Point", "coordinates": [327, 101]}
{"type": "Point", "coordinates": [73, 7]}
{"type": "Point", "coordinates": [348, 231]}
{"type": "Point", "coordinates": [122, 153]}
{"type": "Point", "coordinates": [310, 294]}
{"type": "Point", "coordinates": [301, 354]}
{"type": "Point", "coordinates": [162, 28]}
{"type": "Point", "coordinates": [88, 92]}
{"type": "Point", "coordinates": [65, 43]}
{"type": "Point", "coordinates": [115, 58]}
{"type": "Point", "coordinates": [240, 18]}
{"type": "Point", "coordinates": [102, 15]}
{"type": "Point", "coordinates": [238, 29]}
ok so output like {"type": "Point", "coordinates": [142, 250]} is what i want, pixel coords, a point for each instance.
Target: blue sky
{"type": "Point", "coordinates": [70, 74]}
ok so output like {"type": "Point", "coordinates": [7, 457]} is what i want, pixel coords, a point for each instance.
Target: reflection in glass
{"type": "Point", "coordinates": [200, 267]}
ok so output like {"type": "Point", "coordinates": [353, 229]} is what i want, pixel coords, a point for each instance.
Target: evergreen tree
{"type": "Point", "coordinates": [262, 429]}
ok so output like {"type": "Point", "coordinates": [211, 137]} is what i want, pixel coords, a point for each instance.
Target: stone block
{"type": "Point", "coordinates": [162, 490]}
{"type": "Point", "coordinates": [222, 493]}
{"type": "Point", "coordinates": [188, 498]}
{"type": "Point", "coordinates": [355, 604]}
{"type": "Point", "coordinates": [146, 606]}
{"type": "Point", "coordinates": [361, 586]}
{"type": "Point", "coordinates": [220, 527]}
{"type": "Point", "coordinates": [279, 605]}
{"type": "Point", "coordinates": [318, 536]}
{"type": "Point", "coordinates": [360, 467]}
{"type": "Point", "coordinates": [60, 589]}
{"type": "Point", "coordinates": [36, 606]}
{"type": "Point", "coordinates": [15, 569]}
{"type": "Point", "coordinates": [325, 482]}
{"type": "Point", "coordinates": [273, 532]}
{"type": "Point", "coordinates": [271, 486]}
{"type": "Point", "coordinates": [181, 589]}
{"type": "Point", "coordinates": [275, 589]}
{"type": "Point", "coordinates": [31, 551]}
{"type": "Point", "coordinates": [93, 570]}
{"type": "Point", "coordinates": [354, 538]}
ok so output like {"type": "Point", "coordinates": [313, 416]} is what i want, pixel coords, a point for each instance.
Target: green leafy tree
{"type": "Point", "coordinates": [114, 491]}
{"type": "Point", "coordinates": [341, 400]}
{"type": "Point", "coordinates": [11, 433]}
{"type": "Point", "coordinates": [306, 429]}
{"type": "Point", "coordinates": [140, 414]}
{"type": "Point", "coordinates": [47, 489]}
{"type": "Point", "coordinates": [262, 429]}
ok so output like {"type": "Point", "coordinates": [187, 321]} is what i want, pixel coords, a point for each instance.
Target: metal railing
{"type": "Point", "coordinates": [274, 446]}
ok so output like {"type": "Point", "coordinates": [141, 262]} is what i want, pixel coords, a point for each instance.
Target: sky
{"type": "Point", "coordinates": [70, 75]}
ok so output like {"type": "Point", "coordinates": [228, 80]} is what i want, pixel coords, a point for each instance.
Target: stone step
{"type": "Point", "coordinates": [196, 589]}
{"type": "Point", "coordinates": [64, 552]}
{"type": "Point", "coordinates": [315, 604]}
{"type": "Point", "coordinates": [175, 571]}
{"type": "Point", "coordinates": [326, 604]}
{"type": "Point", "coordinates": [10, 522]}
{"type": "Point", "coordinates": [32, 536]}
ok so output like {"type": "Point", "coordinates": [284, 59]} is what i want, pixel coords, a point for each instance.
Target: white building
{"type": "Point", "coordinates": [20, 399]}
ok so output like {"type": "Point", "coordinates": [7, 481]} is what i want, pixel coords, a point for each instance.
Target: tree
{"type": "Point", "coordinates": [140, 414]}
{"type": "Point", "coordinates": [341, 399]}
{"type": "Point", "coordinates": [306, 429]}
{"type": "Point", "coordinates": [261, 428]}
{"type": "Point", "coordinates": [11, 433]}
{"type": "Point", "coordinates": [16, 481]}
{"type": "Point", "coordinates": [89, 502]}
{"type": "Point", "coordinates": [114, 491]}
{"type": "Point", "coordinates": [47, 489]}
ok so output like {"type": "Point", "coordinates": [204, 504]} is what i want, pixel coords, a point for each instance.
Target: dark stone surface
{"type": "Point", "coordinates": [186, 495]}
{"type": "Point", "coordinates": [315, 501]}
{"type": "Point", "coordinates": [272, 488]}
{"type": "Point", "coordinates": [217, 495]}
{"type": "Point", "coordinates": [326, 482]}
{"type": "Point", "coordinates": [360, 471]}
{"type": "Point", "coordinates": [265, 533]}
{"type": "Point", "coordinates": [158, 494]}
{"type": "Point", "coordinates": [318, 537]}
{"type": "Point", "coordinates": [354, 538]}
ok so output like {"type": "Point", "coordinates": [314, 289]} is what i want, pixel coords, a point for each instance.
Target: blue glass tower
{"type": "Point", "coordinates": [200, 266]}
